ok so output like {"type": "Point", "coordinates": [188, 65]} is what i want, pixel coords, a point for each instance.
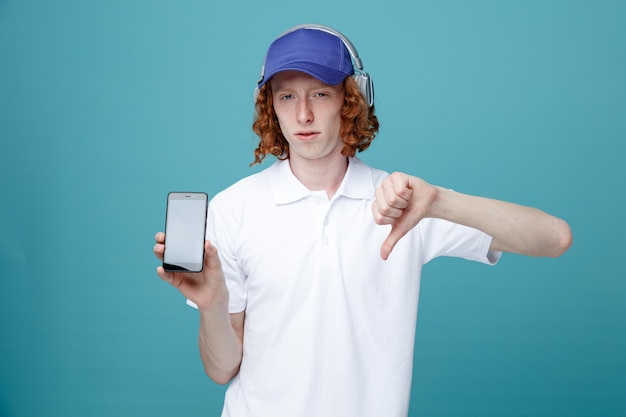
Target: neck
{"type": "Point", "coordinates": [320, 175]}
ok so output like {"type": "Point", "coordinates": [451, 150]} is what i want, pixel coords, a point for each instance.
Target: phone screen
{"type": "Point", "coordinates": [185, 226]}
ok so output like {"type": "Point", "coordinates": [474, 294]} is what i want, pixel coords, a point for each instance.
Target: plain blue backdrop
{"type": "Point", "coordinates": [105, 106]}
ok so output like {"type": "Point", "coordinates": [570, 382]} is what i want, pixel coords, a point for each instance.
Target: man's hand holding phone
{"type": "Point", "coordinates": [204, 288]}
{"type": "Point", "coordinates": [189, 262]}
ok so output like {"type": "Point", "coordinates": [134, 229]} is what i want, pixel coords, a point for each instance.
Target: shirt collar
{"type": "Point", "coordinates": [285, 187]}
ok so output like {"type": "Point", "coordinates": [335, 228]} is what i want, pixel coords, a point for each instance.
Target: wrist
{"type": "Point", "coordinates": [437, 208]}
{"type": "Point", "coordinates": [213, 300]}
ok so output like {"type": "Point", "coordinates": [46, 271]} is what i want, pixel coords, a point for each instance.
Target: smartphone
{"type": "Point", "coordinates": [185, 228]}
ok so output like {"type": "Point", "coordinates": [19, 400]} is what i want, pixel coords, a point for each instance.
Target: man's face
{"type": "Point", "coordinates": [309, 114]}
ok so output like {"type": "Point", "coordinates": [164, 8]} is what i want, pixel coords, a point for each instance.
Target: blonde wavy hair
{"type": "Point", "coordinates": [359, 124]}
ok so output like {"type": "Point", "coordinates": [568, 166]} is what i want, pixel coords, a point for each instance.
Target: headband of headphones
{"type": "Point", "coordinates": [361, 77]}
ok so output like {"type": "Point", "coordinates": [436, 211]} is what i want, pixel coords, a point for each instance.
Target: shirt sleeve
{"type": "Point", "coordinates": [444, 238]}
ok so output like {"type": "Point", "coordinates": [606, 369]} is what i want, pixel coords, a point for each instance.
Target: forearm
{"type": "Point", "coordinates": [514, 228]}
{"type": "Point", "coordinates": [220, 341]}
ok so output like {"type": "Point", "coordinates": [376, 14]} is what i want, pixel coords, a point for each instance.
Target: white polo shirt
{"type": "Point", "coordinates": [329, 326]}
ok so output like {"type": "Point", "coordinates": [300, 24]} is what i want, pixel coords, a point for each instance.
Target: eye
{"type": "Point", "coordinates": [286, 97]}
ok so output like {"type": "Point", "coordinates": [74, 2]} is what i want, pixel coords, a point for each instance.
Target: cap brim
{"type": "Point", "coordinates": [326, 75]}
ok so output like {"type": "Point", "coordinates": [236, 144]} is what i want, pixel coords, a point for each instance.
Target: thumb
{"type": "Point", "coordinates": [211, 258]}
{"type": "Point", "coordinates": [397, 232]}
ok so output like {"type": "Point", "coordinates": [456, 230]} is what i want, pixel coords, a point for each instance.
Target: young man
{"type": "Point", "coordinates": [308, 298]}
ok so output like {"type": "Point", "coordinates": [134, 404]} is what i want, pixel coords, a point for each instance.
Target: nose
{"type": "Point", "coordinates": [305, 112]}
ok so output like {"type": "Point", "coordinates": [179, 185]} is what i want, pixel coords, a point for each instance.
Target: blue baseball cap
{"type": "Point", "coordinates": [312, 51]}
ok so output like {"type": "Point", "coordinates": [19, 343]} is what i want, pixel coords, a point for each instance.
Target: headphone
{"type": "Point", "coordinates": [362, 78]}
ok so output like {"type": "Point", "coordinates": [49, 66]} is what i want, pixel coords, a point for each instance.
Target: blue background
{"type": "Point", "coordinates": [106, 106]}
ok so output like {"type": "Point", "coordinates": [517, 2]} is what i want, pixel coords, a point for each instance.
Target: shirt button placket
{"type": "Point", "coordinates": [326, 231]}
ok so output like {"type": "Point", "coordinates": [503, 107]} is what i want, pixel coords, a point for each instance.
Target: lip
{"type": "Point", "coordinates": [306, 135]}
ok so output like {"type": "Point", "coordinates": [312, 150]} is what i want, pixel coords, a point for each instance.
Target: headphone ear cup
{"type": "Point", "coordinates": [364, 81]}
